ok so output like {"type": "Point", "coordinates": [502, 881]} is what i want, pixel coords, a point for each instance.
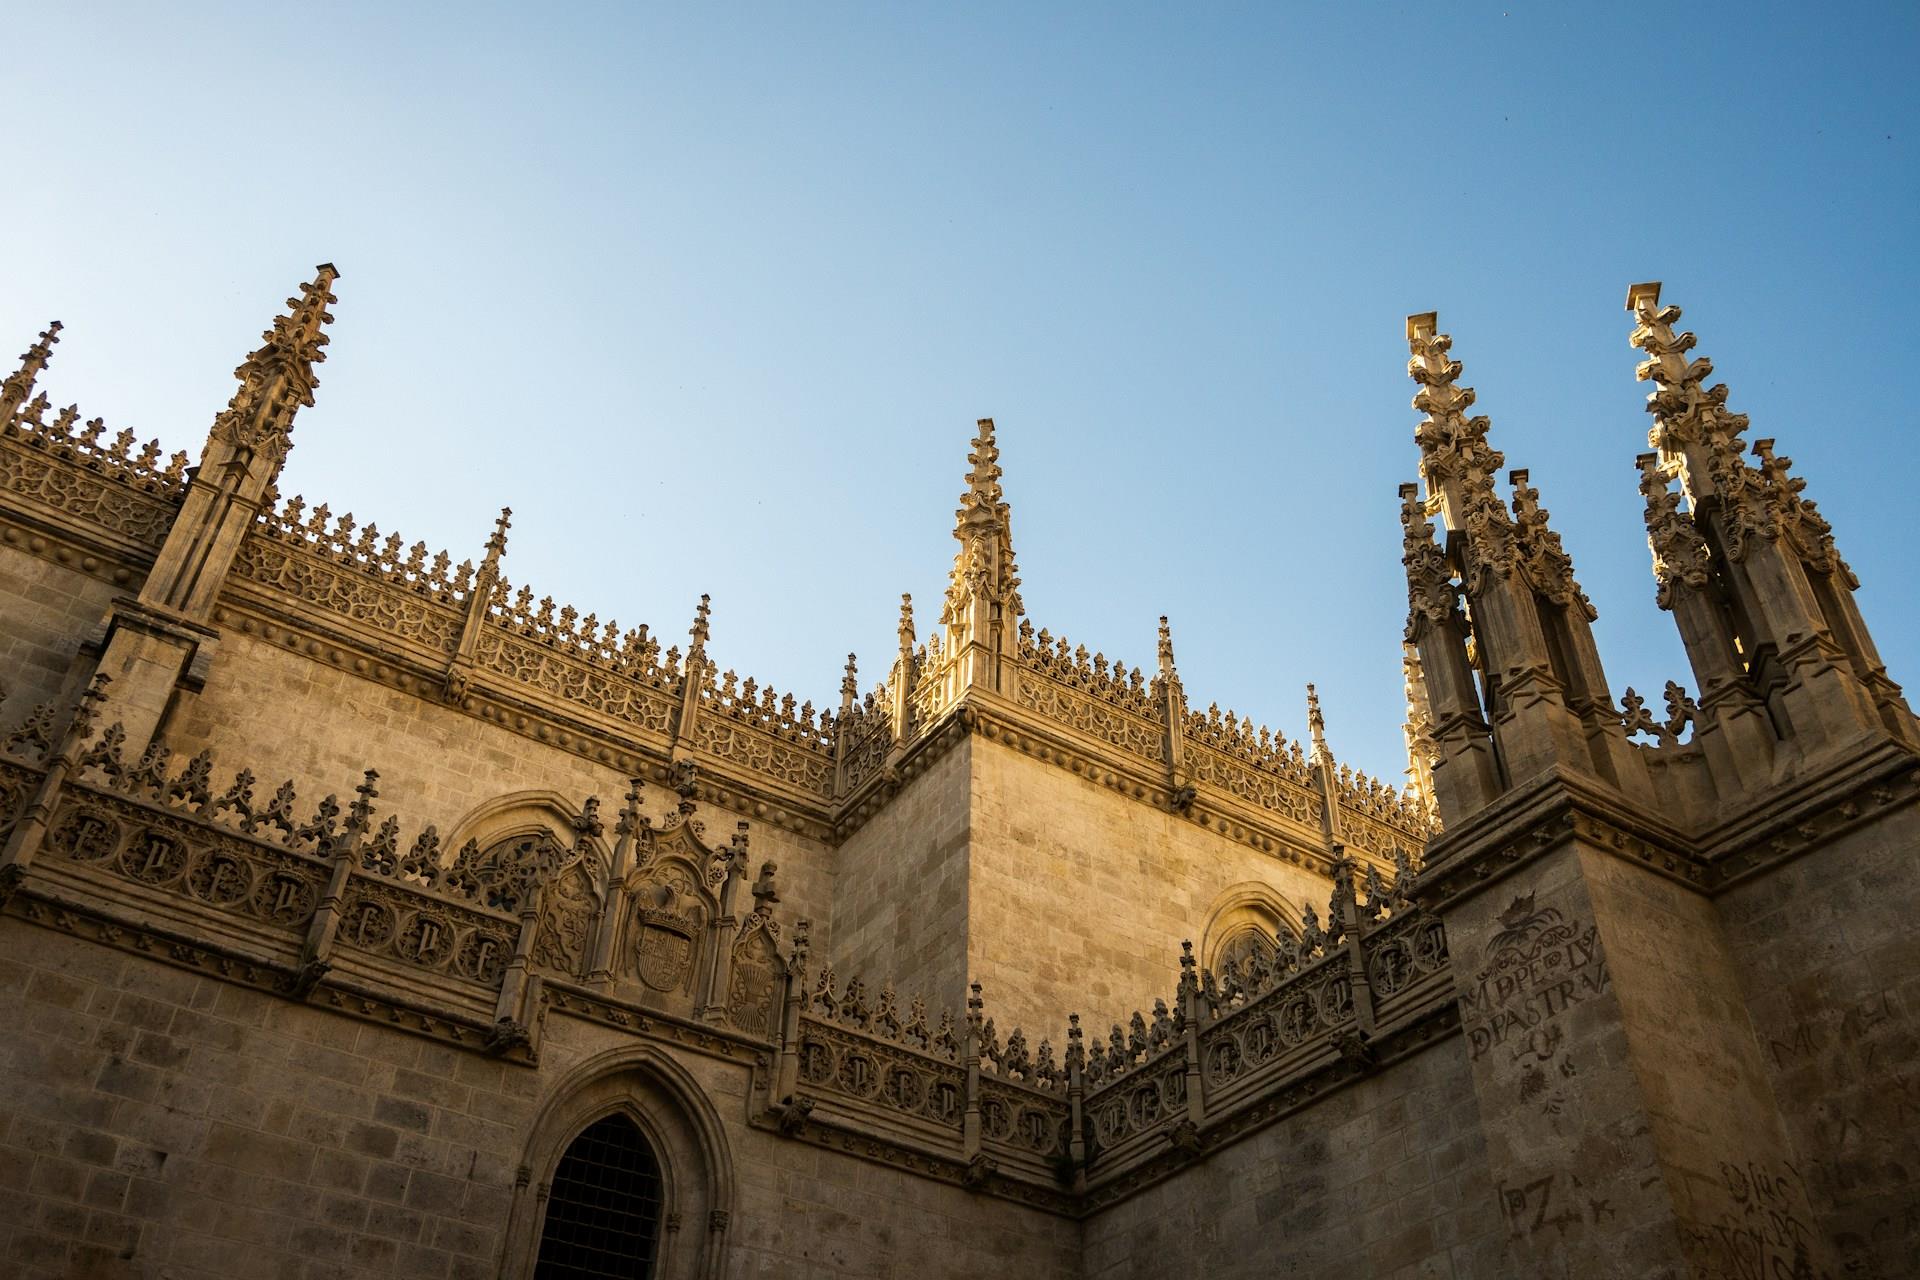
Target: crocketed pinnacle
{"type": "Point", "coordinates": [1680, 554]}
{"type": "Point", "coordinates": [1697, 436]}
{"type": "Point", "coordinates": [699, 630]}
{"type": "Point", "coordinates": [1692, 427]}
{"type": "Point", "coordinates": [1418, 729]}
{"type": "Point", "coordinates": [1542, 558]}
{"type": "Point", "coordinates": [1164, 651]}
{"type": "Point", "coordinates": [983, 500]}
{"type": "Point", "coordinates": [19, 384]}
{"type": "Point", "coordinates": [906, 632]}
{"type": "Point", "coordinates": [983, 568]}
{"type": "Point", "coordinates": [1317, 727]}
{"type": "Point", "coordinates": [277, 378]}
{"type": "Point", "coordinates": [497, 543]}
{"type": "Point", "coordinates": [1455, 459]}
{"type": "Point", "coordinates": [1430, 591]}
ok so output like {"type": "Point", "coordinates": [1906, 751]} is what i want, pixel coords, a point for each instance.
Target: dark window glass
{"type": "Point", "coordinates": [603, 1213]}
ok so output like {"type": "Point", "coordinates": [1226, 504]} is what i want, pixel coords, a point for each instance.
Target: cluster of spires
{"type": "Point", "coordinates": [1512, 683]}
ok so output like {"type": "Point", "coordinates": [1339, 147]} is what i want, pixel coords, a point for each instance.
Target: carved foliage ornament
{"type": "Point", "coordinates": [1680, 554]}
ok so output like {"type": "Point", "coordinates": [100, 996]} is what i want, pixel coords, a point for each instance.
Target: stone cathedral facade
{"type": "Point", "coordinates": [366, 915]}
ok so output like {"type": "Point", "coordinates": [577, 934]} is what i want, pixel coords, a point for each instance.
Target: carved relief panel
{"type": "Point", "coordinates": [750, 990]}
{"type": "Point", "coordinates": [567, 908]}
{"type": "Point", "coordinates": [665, 926]}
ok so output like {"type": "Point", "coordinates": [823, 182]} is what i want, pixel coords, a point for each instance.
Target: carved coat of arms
{"type": "Point", "coordinates": [665, 954]}
{"type": "Point", "coordinates": [668, 924]}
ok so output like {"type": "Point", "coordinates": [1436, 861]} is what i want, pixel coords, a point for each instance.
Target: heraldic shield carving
{"type": "Point", "coordinates": [668, 919]}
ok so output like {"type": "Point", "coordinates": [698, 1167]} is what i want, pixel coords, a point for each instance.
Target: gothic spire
{"type": "Point", "coordinates": [19, 384]}
{"type": "Point", "coordinates": [982, 609]}
{"type": "Point", "coordinates": [1697, 436]}
{"type": "Point", "coordinates": [1455, 459]}
{"type": "Point", "coordinates": [983, 499]}
{"type": "Point", "coordinates": [1317, 728]}
{"type": "Point", "coordinates": [983, 525]}
{"type": "Point", "coordinates": [1164, 650]}
{"type": "Point", "coordinates": [849, 686]}
{"type": "Point", "coordinates": [497, 542]}
{"type": "Point", "coordinates": [277, 378]}
{"type": "Point", "coordinates": [905, 630]}
{"type": "Point", "coordinates": [1542, 559]}
{"type": "Point", "coordinates": [699, 630]}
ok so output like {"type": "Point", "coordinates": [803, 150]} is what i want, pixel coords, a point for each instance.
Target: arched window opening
{"type": "Point", "coordinates": [603, 1210]}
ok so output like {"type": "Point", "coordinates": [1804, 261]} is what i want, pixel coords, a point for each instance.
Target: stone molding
{"type": "Point", "coordinates": [1561, 805]}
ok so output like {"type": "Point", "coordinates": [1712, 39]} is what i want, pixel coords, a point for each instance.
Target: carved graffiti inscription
{"type": "Point", "coordinates": [1539, 965]}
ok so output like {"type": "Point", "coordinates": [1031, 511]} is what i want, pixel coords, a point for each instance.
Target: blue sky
{"type": "Point", "coordinates": [712, 298]}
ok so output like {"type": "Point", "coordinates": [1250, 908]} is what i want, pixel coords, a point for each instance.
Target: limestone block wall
{"type": "Point", "coordinates": [1080, 897]}
{"type": "Point", "coordinates": [46, 608]}
{"type": "Point", "coordinates": [1384, 1178]}
{"type": "Point", "coordinates": [1829, 961]}
{"type": "Point", "coordinates": [158, 1123]}
{"type": "Point", "coordinates": [1714, 1112]}
{"type": "Point", "coordinates": [901, 885]}
{"type": "Point", "coordinates": [284, 716]}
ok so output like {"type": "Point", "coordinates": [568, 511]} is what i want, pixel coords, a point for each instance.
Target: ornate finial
{"type": "Point", "coordinates": [629, 822]}
{"type": "Point", "coordinates": [983, 477]}
{"type": "Point", "coordinates": [497, 544]}
{"type": "Point", "coordinates": [1317, 727]}
{"type": "Point", "coordinates": [1796, 516]}
{"type": "Point", "coordinates": [984, 568]}
{"type": "Point", "coordinates": [277, 378]}
{"type": "Point", "coordinates": [849, 686]}
{"type": "Point", "coordinates": [1455, 458]}
{"type": "Point", "coordinates": [1431, 593]}
{"type": "Point", "coordinates": [906, 627]}
{"type": "Point", "coordinates": [1544, 562]}
{"type": "Point", "coordinates": [1164, 652]}
{"type": "Point", "coordinates": [1697, 437]}
{"type": "Point", "coordinates": [1421, 746]}
{"type": "Point", "coordinates": [699, 629]}
{"type": "Point", "coordinates": [1680, 554]}
{"type": "Point", "coordinates": [19, 385]}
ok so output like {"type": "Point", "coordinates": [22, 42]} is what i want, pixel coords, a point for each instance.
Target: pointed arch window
{"type": "Point", "coordinates": [603, 1209]}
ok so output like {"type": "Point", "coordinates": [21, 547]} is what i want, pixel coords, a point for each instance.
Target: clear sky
{"type": "Point", "coordinates": [712, 296]}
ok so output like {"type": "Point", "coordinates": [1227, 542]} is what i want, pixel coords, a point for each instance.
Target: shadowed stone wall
{"type": "Point", "coordinates": [162, 1124]}
{"type": "Point", "coordinates": [1386, 1178]}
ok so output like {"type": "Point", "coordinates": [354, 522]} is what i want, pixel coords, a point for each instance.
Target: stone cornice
{"type": "Point", "coordinates": [1815, 810]}
{"type": "Point", "coordinates": [1546, 812]}
{"type": "Point", "coordinates": [72, 548]}
{"type": "Point", "coordinates": [1558, 806]}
